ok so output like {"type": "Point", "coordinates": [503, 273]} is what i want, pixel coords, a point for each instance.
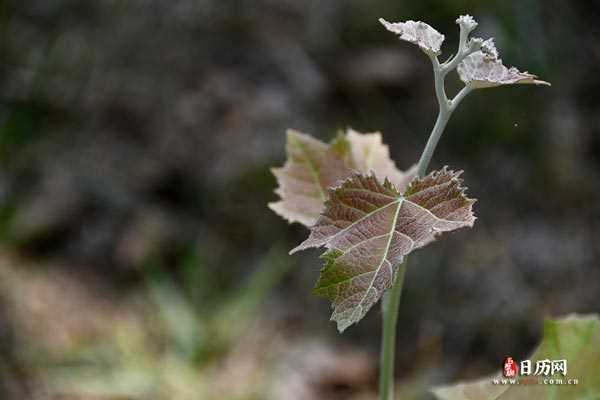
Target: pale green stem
{"type": "Point", "coordinates": [391, 300]}
{"type": "Point", "coordinates": [390, 306]}
{"type": "Point", "coordinates": [446, 107]}
{"type": "Point", "coordinates": [465, 47]}
{"type": "Point", "coordinates": [434, 138]}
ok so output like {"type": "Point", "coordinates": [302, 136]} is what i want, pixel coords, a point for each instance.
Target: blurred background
{"type": "Point", "coordinates": [138, 258]}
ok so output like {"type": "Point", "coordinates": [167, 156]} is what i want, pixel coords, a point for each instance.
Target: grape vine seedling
{"type": "Point", "coordinates": [368, 214]}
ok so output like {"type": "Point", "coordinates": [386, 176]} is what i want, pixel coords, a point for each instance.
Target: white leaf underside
{"type": "Point", "coordinates": [417, 32]}
{"type": "Point", "coordinates": [483, 70]}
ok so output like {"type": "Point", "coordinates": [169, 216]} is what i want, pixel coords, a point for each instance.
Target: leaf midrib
{"type": "Point", "coordinates": [399, 202]}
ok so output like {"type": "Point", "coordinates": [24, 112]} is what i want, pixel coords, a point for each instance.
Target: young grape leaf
{"type": "Point", "coordinates": [484, 69]}
{"type": "Point", "coordinates": [310, 169]}
{"type": "Point", "coordinates": [573, 338]}
{"type": "Point", "coordinates": [313, 166]}
{"type": "Point", "coordinates": [417, 32]}
{"type": "Point", "coordinates": [369, 227]}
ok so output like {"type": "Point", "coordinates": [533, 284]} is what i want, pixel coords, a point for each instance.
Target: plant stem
{"type": "Point", "coordinates": [390, 306]}
{"type": "Point", "coordinates": [446, 107]}
{"type": "Point", "coordinates": [391, 300]}
{"type": "Point", "coordinates": [434, 138]}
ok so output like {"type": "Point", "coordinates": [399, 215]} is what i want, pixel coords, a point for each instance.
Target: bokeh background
{"type": "Point", "coordinates": [138, 258]}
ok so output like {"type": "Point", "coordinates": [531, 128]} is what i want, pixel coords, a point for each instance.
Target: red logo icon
{"type": "Point", "coordinates": [509, 368]}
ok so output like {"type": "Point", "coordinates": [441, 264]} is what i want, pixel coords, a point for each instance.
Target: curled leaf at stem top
{"type": "Point", "coordinates": [417, 32]}
{"type": "Point", "coordinates": [479, 68]}
{"type": "Point", "coordinates": [313, 166]}
{"type": "Point", "coordinates": [368, 227]}
{"type": "Point", "coordinates": [467, 23]}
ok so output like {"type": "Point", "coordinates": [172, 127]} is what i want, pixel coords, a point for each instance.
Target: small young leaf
{"type": "Point", "coordinates": [368, 227]}
{"type": "Point", "coordinates": [484, 69]}
{"type": "Point", "coordinates": [417, 32]}
{"type": "Point", "coordinates": [466, 23]}
{"type": "Point", "coordinates": [313, 166]}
